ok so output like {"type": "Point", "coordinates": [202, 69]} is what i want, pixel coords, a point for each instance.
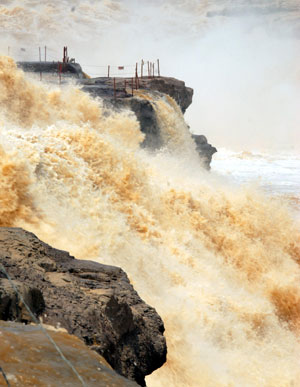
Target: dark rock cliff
{"type": "Point", "coordinates": [125, 87]}
{"type": "Point", "coordinates": [121, 93]}
{"type": "Point", "coordinates": [125, 96]}
{"type": "Point", "coordinates": [95, 302]}
{"type": "Point", "coordinates": [204, 149]}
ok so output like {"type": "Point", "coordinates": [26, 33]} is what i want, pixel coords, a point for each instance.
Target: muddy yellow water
{"type": "Point", "coordinates": [219, 263]}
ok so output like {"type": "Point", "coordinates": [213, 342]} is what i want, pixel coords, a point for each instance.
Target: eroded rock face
{"type": "Point", "coordinates": [204, 149]}
{"type": "Point", "coordinates": [135, 95]}
{"type": "Point", "coordinates": [146, 115]}
{"type": "Point", "coordinates": [175, 88]}
{"type": "Point", "coordinates": [104, 88]}
{"type": "Point", "coordinates": [12, 307]}
{"type": "Point", "coordinates": [95, 302]}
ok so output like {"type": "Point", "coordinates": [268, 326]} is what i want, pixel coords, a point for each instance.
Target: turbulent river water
{"type": "Point", "coordinates": [277, 174]}
{"type": "Point", "coordinates": [218, 259]}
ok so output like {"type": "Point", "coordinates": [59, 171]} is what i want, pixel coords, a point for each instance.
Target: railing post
{"type": "Point", "coordinates": [40, 58]}
{"type": "Point", "coordinates": [108, 71]}
{"type": "Point", "coordinates": [59, 71]}
{"type": "Point", "coordinates": [158, 69]}
{"type": "Point", "coordinates": [65, 57]}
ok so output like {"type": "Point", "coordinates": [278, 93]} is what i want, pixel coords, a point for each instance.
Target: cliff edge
{"type": "Point", "coordinates": [122, 93]}
{"type": "Point", "coordinates": [126, 93]}
{"type": "Point", "coordinates": [94, 302]}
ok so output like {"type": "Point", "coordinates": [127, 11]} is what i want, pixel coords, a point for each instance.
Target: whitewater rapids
{"type": "Point", "coordinates": [220, 264]}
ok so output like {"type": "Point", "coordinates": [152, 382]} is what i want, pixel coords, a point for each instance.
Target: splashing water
{"type": "Point", "coordinates": [220, 264]}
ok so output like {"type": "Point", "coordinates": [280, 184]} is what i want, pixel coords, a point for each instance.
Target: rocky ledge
{"type": "Point", "coordinates": [119, 94]}
{"type": "Point", "coordinates": [95, 302]}
{"type": "Point", "coordinates": [126, 87]}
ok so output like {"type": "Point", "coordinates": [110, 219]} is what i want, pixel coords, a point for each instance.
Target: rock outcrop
{"type": "Point", "coordinates": [95, 302]}
{"type": "Point", "coordinates": [204, 149]}
{"type": "Point", "coordinates": [146, 115]}
{"type": "Point", "coordinates": [104, 88]}
{"type": "Point", "coordinates": [68, 69]}
{"type": "Point", "coordinates": [11, 307]}
{"type": "Point", "coordinates": [175, 88]}
{"type": "Point", "coordinates": [126, 93]}
{"type": "Point", "coordinates": [143, 107]}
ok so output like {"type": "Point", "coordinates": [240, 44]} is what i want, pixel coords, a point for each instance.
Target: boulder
{"type": "Point", "coordinates": [93, 301]}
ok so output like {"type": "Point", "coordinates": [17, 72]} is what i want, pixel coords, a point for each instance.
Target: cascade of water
{"type": "Point", "coordinates": [220, 264]}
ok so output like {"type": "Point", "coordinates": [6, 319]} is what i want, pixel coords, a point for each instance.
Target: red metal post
{"type": "Point", "coordinates": [65, 57]}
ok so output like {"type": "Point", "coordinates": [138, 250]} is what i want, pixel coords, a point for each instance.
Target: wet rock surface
{"type": "Point", "coordinates": [134, 94]}
{"type": "Point", "coordinates": [11, 305]}
{"type": "Point", "coordinates": [143, 107]}
{"type": "Point", "coordinates": [126, 87]}
{"type": "Point", "coordinates": [28, 358]}
{"type": "Point", "coordinates": [146, 115]}
{"type": "Point", "coordinates": [95, 302]}
{"type": "Point", "coordinates": [204, 149]}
